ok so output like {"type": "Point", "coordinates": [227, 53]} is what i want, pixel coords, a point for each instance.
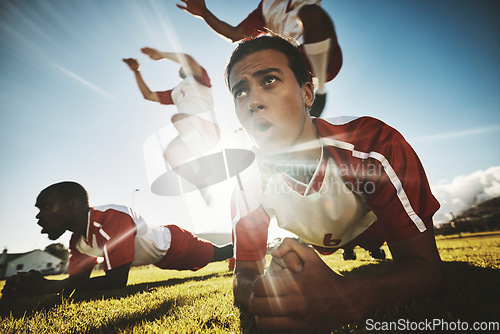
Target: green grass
{"type": "Point", "coordinates": [165, 301]}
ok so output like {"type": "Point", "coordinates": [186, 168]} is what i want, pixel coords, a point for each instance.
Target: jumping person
{"type": "Point", "coordinates": [303, 20]}
{"type": "Point", "coordinates": [195, 121]}
{"type": "Point", "coordinates": [116, 233]}
{"type": "Point", "coordinates": [352, 181]}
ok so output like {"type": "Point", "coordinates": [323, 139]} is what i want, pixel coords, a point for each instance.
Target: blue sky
{"type": "Point", "coordinates": [70, 109]}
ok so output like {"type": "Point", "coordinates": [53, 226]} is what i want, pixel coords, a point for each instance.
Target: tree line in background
{"type": "Point", "coordinates": [483, 217]}
{"type": "Point", "coordinates": [58, 250]}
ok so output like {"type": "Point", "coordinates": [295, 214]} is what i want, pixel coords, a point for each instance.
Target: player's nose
{"type": "Point", "coordinates": [256, 102]}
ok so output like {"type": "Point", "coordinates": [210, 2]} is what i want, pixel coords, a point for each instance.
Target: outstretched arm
{"type": "Point", "coordinates": [311, 295]}
{"type": "Point", "coordinates": [33, 283]}
{"type": "Point", "coordinates": [182, 58]}
{"type": "Point", "coordinates": [198, 8]}
{"type": "Point", "coordinates": [146, 92]}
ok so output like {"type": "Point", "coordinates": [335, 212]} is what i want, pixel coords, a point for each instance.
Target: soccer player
{"type": "Point", "coordinates": [303, 20]}
{"type": "Point", "coordinates": [335, 184]}
{"type": "Point", "coordinates": [195, 122]}
{"type": "Point", "coordinates": [116, 233]}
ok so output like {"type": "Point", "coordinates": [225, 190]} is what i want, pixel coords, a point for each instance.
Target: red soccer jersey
{"type": "Point", "coordinates": [378, 165]}
{"type": "Point", "coordinates": [120, 236]}
{"type": "Point", "coordinates": [110, 234]}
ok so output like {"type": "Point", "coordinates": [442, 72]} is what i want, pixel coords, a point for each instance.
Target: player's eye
{"type": "Point", "coordinates": [270, 79]}
{"type": "Point", "coordinates": [240, 93]}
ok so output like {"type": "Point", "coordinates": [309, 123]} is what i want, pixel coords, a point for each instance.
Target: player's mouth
{"type": "Point", "coordinates": [262, 128]}
{"type": "Point", "coordinates": [42, 225]}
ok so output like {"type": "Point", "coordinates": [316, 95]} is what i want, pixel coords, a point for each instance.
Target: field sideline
{"type": "Point", "coordinates": [160, 301]}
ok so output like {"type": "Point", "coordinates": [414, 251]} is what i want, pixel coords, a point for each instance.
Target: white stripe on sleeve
{"type": "Point", "coordinates": [396, 182]}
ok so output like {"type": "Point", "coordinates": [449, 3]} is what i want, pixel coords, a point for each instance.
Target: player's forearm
{"type": "Point", "coordinates": [174, 56]}
{"type": "Point", "coordinates": [54, 286]}
{"type": "Point", "coordinates": [243, 286]}
{"type": "Point", "coordinates": [405, 281]}
{"type": "Point", "coordinates": [114, 278]}
{"type": "Point", "coordinates": [100, 283]}
{"type": "Point", "coordinates": [85, 283]}
{"type": "Point", "coordinates": [185, 60]}
{"type": "Point", "coordinates": [223, 28]}
{"type": "Point", "coordinates": [145, 91]}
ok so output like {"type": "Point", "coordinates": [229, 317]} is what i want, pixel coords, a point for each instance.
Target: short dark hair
{"type": "Point", "coordinates": [69, 190]}
{"type": "Point", "coordinates": [273, 42]}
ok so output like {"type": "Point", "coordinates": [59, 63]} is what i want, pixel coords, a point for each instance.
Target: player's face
{"type": "Point", "coordinates": [55, 215]}
{"type": "Point", "coordinates": [269, 102]}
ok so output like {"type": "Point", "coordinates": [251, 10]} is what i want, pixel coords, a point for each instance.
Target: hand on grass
{"type": "Point", "coordinates": [23, 284]}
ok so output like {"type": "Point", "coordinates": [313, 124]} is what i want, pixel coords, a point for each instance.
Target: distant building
{"type": "Point", "coordinates": [44, 262]}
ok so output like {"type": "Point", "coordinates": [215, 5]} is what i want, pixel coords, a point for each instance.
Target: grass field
{"type": "Point", "coordinates": [160, 301]}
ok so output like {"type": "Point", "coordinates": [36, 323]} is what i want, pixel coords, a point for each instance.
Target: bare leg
{"type": "Point", "coordinates": [177, 154]}
{"type": "Point", "coordinates": [196, 136]}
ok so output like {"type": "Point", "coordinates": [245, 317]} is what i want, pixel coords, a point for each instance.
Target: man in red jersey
{"type": "Point", "coordinates": [351, 181]}
{"type": "Point", "coordinates": [303, 20]}
{"type": "Point", "coordinates": [117, 234]}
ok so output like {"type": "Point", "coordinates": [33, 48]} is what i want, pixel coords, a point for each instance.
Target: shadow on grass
{"type": "Point", "coordinates": [26, 306]}
{"type": "Point", "coordinates": [471, 294]}
{"type": "Point", "coordinates": [247, 320]}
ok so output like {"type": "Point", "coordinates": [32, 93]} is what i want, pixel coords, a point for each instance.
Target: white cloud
{"type": "Point", "coordinates": [457, 134]}
{"type": "Point", "coordinates": [465, 191]}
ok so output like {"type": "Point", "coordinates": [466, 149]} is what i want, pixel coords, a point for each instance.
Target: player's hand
{"type": "Point", "coordinates": [132, 63]}
{"type": "Point", "coordinates": [312, 298]}
{"type": "Point", "coordinates": [287, 261]}
{"type": "Point", "coordinates": [10, 288]}
{"type": "Point", "coordinates": [152, 53]}
{"type": "Point", "coordinates": [194, 7]}
{"type": "Point", "coordinates": [23, 284]}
